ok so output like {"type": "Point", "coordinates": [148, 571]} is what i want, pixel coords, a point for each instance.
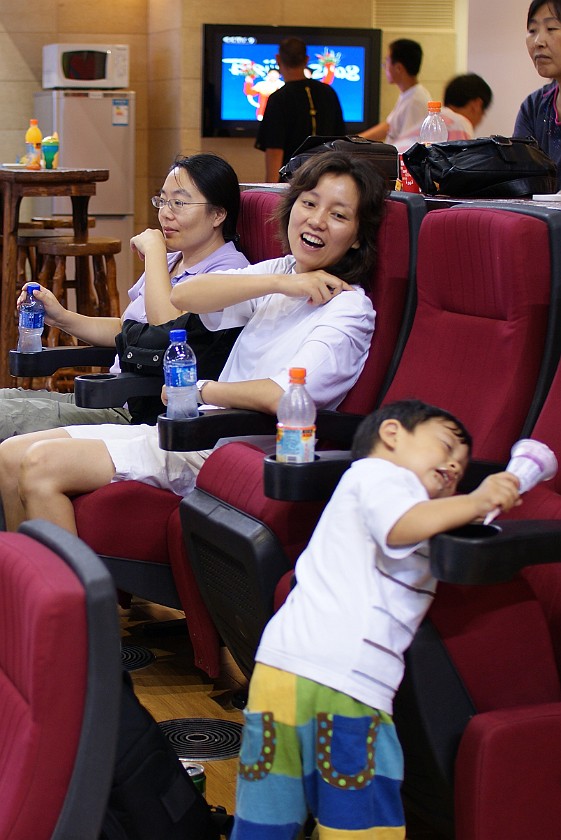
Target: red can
{"type": "Point", "coordinates": [408, 183]}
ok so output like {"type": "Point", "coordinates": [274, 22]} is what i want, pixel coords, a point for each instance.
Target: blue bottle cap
{"type": "Point", "coordinates": [178, 335]}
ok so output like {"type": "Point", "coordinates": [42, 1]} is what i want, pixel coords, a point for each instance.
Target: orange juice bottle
{"type": "Point", "coordinates": [33, 141]}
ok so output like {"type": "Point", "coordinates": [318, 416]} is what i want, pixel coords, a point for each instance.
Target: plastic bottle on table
{"type": "Point", "coordinates": [33, 146]}
{"type": "Point", "coordinates": [433, 128]}
{"type": "Point", "coordinates": [31, 322]}
{"type": "Point", "coordinates": [296, 413]}
{"type": "Point", "coordinates": [180, 373]}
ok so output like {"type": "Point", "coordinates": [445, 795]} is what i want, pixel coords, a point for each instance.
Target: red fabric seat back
{"type": "Point", "coordinates": [478, 336]}
{"type": "Point", "coordinates": [391, 285]}
{"type": "Point", "coordinates": [257, 229]}
{"type": "Point", "coordinates": [43, 644]}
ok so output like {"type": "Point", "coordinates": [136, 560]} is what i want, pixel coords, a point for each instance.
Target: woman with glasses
{"type": "Point", "coordinates": [308, 309]}
{"type": "Point", "coordinates": [198, 208]}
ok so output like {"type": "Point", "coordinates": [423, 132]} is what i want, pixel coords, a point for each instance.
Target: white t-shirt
{"type": "Point", "coordinates": [358, 602]}
{"type": "Point", "coordinates": [407, 115]}
{"type": "Point", "coordinates": [331, 341]}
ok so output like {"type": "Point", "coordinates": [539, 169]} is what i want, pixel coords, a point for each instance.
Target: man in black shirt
{"type": "Point", "coordinates": [302, 107]}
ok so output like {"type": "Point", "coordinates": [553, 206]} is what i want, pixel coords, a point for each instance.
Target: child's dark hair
{"type": "Point", "coordinates": [357, 265]}
{"type": "Point", "coordinates": [410, 414]}
{"type": "Point", "coordinates": [218, 183]}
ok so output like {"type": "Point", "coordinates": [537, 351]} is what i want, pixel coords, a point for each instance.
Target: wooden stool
{"type": "Point", "coordinates": [96, 293]}
{"type": "Point", "coordinates": [94, 296]}
{"type": "Point", "coordinates": [28, 232]}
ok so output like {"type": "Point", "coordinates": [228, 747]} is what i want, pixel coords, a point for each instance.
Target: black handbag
{"type": "Point", "coordinates": [383, 155]}
{"type": "Point", "coordinates": [488, 167]}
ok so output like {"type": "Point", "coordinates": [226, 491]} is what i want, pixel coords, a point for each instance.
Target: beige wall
{"type": "Point", "coordinates": [165, 41]}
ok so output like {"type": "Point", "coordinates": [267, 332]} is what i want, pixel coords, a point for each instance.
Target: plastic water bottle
{"type": "Point", "coordinates": [180, 373]}
{"type": "Point", "coordinates": [296, 430]}
{"type": "Point", "coordinates": [433, 128]}
{"type": "Point", "coordinates": [31, 322]}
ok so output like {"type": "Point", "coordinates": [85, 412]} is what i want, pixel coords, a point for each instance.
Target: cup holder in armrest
{"type": "Point", "coordinates": [204, 431]}
{"type": "Point", "coordinates": [51, 359]}
{"type": "Point", "coordinates": [109, 390]}
{"type": "Point", "coordinates": [483, 554]}
{"type": "Point", "coordinates": [310, 482]}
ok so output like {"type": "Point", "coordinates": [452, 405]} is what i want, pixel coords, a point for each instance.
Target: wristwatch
{"type": "Point", "coordinates": [200, 385]}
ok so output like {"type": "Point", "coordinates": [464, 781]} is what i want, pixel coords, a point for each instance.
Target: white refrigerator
{"type": "Point", "coordinates": [96, 130]}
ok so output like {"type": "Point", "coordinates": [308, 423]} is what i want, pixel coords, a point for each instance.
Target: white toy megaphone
{"type": "Point", "coordinates": [531, 462]}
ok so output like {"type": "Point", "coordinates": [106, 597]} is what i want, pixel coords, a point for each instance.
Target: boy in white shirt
{"type": "Point", "coordinates": [319, 735]}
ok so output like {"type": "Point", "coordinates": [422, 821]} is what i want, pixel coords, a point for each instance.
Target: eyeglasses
{"type": "Point", "coordinates": [174, 204]}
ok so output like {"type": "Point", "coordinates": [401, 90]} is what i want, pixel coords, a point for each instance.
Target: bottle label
{"type": "Point", "coordinates": [30, 319]}
{"type": "Point", "coordinates": [180, 376]}
{"type": "Point", "coordinates": [295, 446]}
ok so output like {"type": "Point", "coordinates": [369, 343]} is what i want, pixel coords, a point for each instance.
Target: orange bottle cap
{"type": "Point", "coordinates": [297, 374]}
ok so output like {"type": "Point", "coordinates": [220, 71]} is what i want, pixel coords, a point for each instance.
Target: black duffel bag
{"type": "Point", "coordinates": [383, 155]}
{"type": "Point", "coordinates": [488, 167]}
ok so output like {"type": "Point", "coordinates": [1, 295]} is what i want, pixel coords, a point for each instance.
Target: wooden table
{"type": "Point", "coordinates": [15, 184]}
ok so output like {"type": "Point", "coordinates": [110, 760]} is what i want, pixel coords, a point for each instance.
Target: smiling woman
{"type": "Point", "coordinates": [539, 113]}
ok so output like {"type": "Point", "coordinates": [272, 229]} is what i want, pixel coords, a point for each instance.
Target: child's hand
{"type": "Point", "coordinates": [164, 395]}
{"type": "Point", "coordinates": [500, 490]}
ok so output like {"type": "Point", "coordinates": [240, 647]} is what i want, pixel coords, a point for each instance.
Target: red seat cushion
{"type": "Point", "coordinates": [489, 631]}
{"type": "Point", "coordinates": [135, 520]}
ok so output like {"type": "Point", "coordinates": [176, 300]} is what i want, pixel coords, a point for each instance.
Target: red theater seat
{"type": "Point", "coordinates": [60, 681]}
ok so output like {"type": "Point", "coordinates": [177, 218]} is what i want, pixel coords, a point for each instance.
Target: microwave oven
{"type": "Point", "coordinates": [103, 66]}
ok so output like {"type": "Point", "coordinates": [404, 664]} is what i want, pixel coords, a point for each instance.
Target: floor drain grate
{"type": "Point", "coordinates": [203, 739]}
{"type": "Point", "coordinates": [134, 657]}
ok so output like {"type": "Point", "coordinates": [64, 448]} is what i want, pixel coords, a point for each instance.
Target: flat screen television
{"type": "Point", "coordinates": [240, 71]}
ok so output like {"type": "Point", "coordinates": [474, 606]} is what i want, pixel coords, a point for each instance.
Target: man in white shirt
{"type": "Point", "coordinates": [402, 65]}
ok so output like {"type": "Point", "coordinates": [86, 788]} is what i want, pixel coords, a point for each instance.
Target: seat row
{"type": "Point", "coordinates": [467, 317]}
{"type": "Point", "coordinates": [467, 302]}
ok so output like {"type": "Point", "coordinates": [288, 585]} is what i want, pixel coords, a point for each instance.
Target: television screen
{"type": "Point", "coordinates": [240, 72]}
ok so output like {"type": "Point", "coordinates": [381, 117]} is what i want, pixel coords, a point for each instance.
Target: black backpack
{"type": "Point", "coordinates": [152, 796]}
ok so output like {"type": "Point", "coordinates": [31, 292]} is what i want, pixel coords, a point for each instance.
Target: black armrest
{"type": "Point", "coordinates": [311, 482]}
{"type": "Point", "coordinates": [204, 431]}
{"type": "Point", "coordinates": [108, 390]}
{"type": "Point", "coordinates": [494, 553]}
{"type": "Point", "coordinates": [52, 358]}
{"type": "Point", "coordinates": [337, 428]}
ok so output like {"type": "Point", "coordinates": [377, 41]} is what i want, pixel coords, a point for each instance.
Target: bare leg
{"type": "Point", "coordinates": [12, 452]}
{"type": "Point", "coordinates": [54, 470]}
